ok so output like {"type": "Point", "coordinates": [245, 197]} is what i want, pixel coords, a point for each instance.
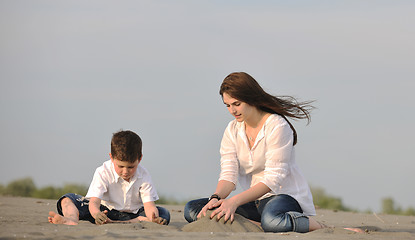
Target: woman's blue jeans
{"type": "Point", "coordinates": [279, 213]}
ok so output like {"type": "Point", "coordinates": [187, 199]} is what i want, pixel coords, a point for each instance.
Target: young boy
{"type": "Point", "coordinates": [121, 190]}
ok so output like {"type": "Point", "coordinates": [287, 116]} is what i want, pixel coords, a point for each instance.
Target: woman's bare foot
{"type": "Point", "coordinates": [59, 219]}
{"type": "Point", "coordinates": [358, 230]}
{"type": "Point", "coordinates": [314, 225]}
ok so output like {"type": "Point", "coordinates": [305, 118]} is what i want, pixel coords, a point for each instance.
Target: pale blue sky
{"type": "Point", "coordinates": [74, 72]}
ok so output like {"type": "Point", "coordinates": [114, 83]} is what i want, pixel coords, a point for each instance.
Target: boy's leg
{"type": "Point", "coordinates": [71, 208]}
{"type": "Point", "coordinates": [163, 218]}
{"type": "Point", "coordinates": [164, 214]}
{"type": "Point", "coordinates": [125, 217]}
{"type": "Point", "coordinates": [70, 213]}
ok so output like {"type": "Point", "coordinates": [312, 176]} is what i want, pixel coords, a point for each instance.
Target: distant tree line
{"type": "Point", "coordinates": [325, 201]}
{"type": "Point", "coordinates": [388, 207]}
{"type": "Point", "coordinates": [25, 187]}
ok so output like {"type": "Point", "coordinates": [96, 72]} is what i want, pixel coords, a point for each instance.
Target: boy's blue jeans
{"type": "Point", "coordinates": [279, 213]}
{"type": "Point", "coordinates": [82, 204]}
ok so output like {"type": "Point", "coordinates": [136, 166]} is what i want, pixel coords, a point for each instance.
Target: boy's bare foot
{"type": "Point", "coordinates": [157, 220]}
{"type": "Point", "coordinates": [135, 220]}
{"type": "Point", "coordinates": [59, 219]}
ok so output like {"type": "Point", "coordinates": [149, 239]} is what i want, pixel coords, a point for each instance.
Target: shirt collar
{"type": "Point", "coordinates": [261, 133]}
{"type": "Point", "coordinates": [118, 178]}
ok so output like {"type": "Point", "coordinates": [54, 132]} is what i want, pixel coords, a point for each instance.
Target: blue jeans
{"type": "Point", "coordinates": [82, 204]}
{"type": "Point", "coordinates": [279, 213]}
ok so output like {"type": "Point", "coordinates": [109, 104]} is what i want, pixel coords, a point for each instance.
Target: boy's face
{"type": "Point", "coordinates": [124, 169]}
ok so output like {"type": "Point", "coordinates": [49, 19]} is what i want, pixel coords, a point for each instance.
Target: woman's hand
{"type": "Point", "coordinates": [208, 206]}
{"type": "Point", "coordinates": [225, 208]}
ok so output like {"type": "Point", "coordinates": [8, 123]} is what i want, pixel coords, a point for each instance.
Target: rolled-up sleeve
{"type": "Point", "coordinates": [98, 186]}
{"type": "Point", "coordinates": [148, 192]}
{"type": "Point", "coordinates": [228, 161]}
{"type": "Point", "coordinates": [278, 156]}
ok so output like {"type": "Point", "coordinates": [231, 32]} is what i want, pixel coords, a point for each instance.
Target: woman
{"type": "Point", "coordinates": [258, 150]}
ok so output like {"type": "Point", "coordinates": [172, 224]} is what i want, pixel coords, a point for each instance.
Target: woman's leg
{"type": "Point", "coordinates": [250, 211]}
{"type": "Point", "coordinates": [282, 213]}
{"type": "Point", "coordinates": [192, 208]}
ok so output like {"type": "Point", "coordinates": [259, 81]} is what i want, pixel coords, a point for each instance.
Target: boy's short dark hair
{"type": "Point", "coordinates": [126, 146]}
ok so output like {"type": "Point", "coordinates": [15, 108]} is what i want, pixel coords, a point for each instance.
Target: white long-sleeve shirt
{"type": "Point", "coordinates": [271, 161]}
{"type": "Point", "coordinates": [116, 193]}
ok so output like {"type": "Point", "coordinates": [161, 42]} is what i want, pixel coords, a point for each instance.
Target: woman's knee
{"type": "Point", "coordinates": [190, 212]}
{"type": "Point", "coordinates": [192, 209]}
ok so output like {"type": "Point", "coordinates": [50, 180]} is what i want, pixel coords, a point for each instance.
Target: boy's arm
{"type": "Point", "coordinates": [94, 209]}
{"type": "Point", "coordinates": [151, 211]}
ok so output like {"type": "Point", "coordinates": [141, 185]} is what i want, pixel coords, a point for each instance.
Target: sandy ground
{"type": "Point", "coordinates": [26, 218]}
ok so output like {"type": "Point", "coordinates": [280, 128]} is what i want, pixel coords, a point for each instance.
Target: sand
{"type": "Point", "coordinates": [26, 218]}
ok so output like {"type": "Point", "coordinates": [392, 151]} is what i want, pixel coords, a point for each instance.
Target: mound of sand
{"type": "Point", "coordinates": [205, 224]}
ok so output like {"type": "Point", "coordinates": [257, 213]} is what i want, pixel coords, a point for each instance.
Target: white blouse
{"type": "Point", "coordinates": [271, 161]}
{"type": "Point", "coordinates": [116, 193]}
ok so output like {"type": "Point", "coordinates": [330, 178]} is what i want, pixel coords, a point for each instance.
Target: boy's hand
{"type": "Point", "coordinates": [159, 220]}
{"type": "Point", "coordinates": [151, 212]}
{"type": "Point", "coordinates": [101, 218]}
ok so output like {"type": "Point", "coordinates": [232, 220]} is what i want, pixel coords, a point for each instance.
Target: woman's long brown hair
{"type": "Point", "coordinates": [242, 86]}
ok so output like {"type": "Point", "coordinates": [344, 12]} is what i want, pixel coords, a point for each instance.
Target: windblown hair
{"type": "Point", "coordinates": [242, 86]}
{"type": "Point", "coordinates": [126, 146]}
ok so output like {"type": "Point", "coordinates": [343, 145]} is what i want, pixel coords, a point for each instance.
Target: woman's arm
{"type": "Point", "coordinates": [251, 194]}
{"type": "Point", "coordinates": [229, 168]}
{"type": "Point", "coordinates": [223, 189]}
{"type": "Point", "coordinates": [278, 156]}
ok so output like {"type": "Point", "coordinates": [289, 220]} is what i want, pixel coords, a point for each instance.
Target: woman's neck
{"type": "Point", "coordinates": [257, 119]}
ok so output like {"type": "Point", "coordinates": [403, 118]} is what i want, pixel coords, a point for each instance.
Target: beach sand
{"type": "Point", "coordinates": [26, 218]}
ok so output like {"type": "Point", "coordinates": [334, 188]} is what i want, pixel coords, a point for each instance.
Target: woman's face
{"type": "Point", "coordinates": [240, 110]}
